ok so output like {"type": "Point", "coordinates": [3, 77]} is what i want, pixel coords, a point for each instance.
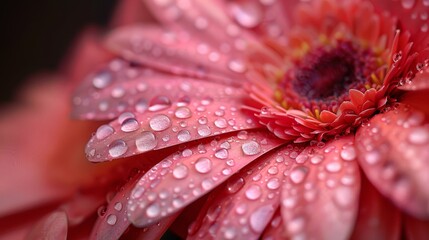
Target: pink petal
{"type": "Point", "coordinates": [113, 221]}
{"type": "Point", "coordinates": [393, 152]}
{"type": "Point", "coordinates": [174, 117]}
{"type": "Point", "coordinates": [53, 226]}
{"type": "Point", "coordinates": [82, 206]}
{"type": "Point", "coordinates": [185, 176]}
{"type": "Point", "coordinates": [377, 217]}
{"type": "Point", "coordinates": [411, 16]}
{"type": "Point", "coordinates": [180, 54]}
{"type": "Point", "coordinates": [416, 229]}
{"type": "Point", "coordinates": [153, 232]}
{"type": "Point", "coordinates": [320, 198]}
{"type": "Point", "coordinates": [276, 228]}
{"type": "Point", "coordinates": [243, 207]}
{"type": "Point", "coordinates": [419, 82]}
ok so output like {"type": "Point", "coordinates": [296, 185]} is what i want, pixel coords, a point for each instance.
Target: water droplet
{"type": "Point", "coordinates": [243, 135]}
{"type": "Point", "coordinates": [160, 122]}
{"type": "Point", "coordinates": [204, 131]}
{"type": "Point", "coordinates": [229, 233]}
{"type": "Point", "coordinates": [247, 14]}
{"type": "Point", "coordinates": [124, 116]}
{"type": "Point", "coordinates": [273, 183]}
{"type": "Point", "coordinates": [253, 192]}
{"type": "Point", "coordinates": [102, 79]}
{"type": "Point", "coordinates": [203, 165]}
{"type": "Point", "coordinates": [141, 105]}
{"type": "Point", "coordinates": [153, 210]}
{"type": "Point", "coordinates": [101, 211]}
{"type": "Point", "coordinates": [184, 136]}
{"type": "Point", "coordinates": [159, 103]}
{"type": "Point", "coordinates": [234, 186]}
{"type": "Point", "coordinates": [408, 4]}
{"type": "Point", "coordinates": [260, 218]}
{"type": "Point", "coordinates": [130, 125]}
{"type": "Point", "coordinates": [202, 120]}
{"type": "Point", "coordinates": [111, 219]}
{"type": "Point", "coordinates": [348, 153]}
{"type": "Point", "coordinates": [103, 132]}
{"type": "Point", "coordinates": [146, 141]}
{"type": "Point", "coordinates": [418, 136]}
{"type": "Point", "coordinates": [183, 112]}
{"type": "Point", "coordinates": [333, 166]}
{"type": "Point", "coordinates": [117, 148]}
{"type": "Point", "coordinates": [373, 157]}
{"type": "Point", "coordinates": [298, 174]}
{"type": "Point", "coordinates": [221, 153]}
{"type": "Point", "coordinates": [316, 159]}
{"type": "Point", "coordinates": [296, 225]}
{"type": "Point", "coordinates": [344, 197]}
{"type": "Point", "coordinates": [273, 170]}
{"type": "Point", "coordinates": [180, 171]}
{"type": "Point", "coordinates": [118, 92]}
{"type": "Point", "coordinates": [118, 206]}
{"type": "Point", "coordinates": [251, 148]}
{"type": "Point", "coordinates": [221, 123]}
{"type": "Point", "coordinates": [237, 66]}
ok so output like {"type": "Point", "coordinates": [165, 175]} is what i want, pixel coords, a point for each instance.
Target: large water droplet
{"type": "Point", "coordinates": [103, 132]}
{"type": "Point", "coordinates": [408, 4]}
{"type": "Point", "coordinates": [253, 192]}
{"type": "Point", "coordinates": [183, 112]}
{"type": "Point", "coordinates": [333, 166]}
{"type": "Point", "coordinates": [234, 186]}
{"type": "Point", "coordinates": [221, 153]}
{"type": "Point", "coordinates": [159, 103]}
{"type": "Point", "coordinates": [247, 14]}
{"type": "Point", "coordinates": [298, 174]}
{"type": "Point", "coordinates": [160, 122]}
{"type": "Point", "coordinates": [203, 165]}
{"type": "Point", "coordinates": [153, 210]}
{"type": "Point", "coordinates": [130, 125]}
{"type": "Point", "coordinates": [180, 171]}
{"type": "Point", "coordinates": [204, 131]}
{"type": "Point", "coordinates": [251, 148]}
{"type": "Point", "coordinates": [260, 218]}
{"type": "Point", "coordinates": [348, 153]}
{"type": "Point", "coordinates": [146, 141]}
{"type": "Point", "coordinates": [184, 136]}
{"type": "Point", "coordinates": [237, 66]}
{"type": "Point", "coordinates": [221, 123]}
{"type": "Point", "coordinates": [273, 183]}
{"type": "Point", "coordinates": [111, 219]}
{"type": "Point", "coordinates": [102, 79]}
{"type": "Point", "coordinates": [117, 148]}
{"type": "Point", "coordinates": [418, 136]}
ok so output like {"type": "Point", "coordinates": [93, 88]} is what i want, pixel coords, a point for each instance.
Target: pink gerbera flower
{"type": "Point", "coordinates": [266, 111]}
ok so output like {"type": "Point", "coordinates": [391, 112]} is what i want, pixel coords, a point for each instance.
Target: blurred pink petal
{"type": "Point", "coordinates": [393, 152]}
{"type": "Point", "coordinates": [53, 226]}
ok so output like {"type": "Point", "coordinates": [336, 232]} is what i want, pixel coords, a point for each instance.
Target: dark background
{"type": "Point", "coordinates": [35, 35]}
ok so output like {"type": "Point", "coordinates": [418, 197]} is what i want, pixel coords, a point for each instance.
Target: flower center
{"type": "Point", "coordinates": [321, 80]}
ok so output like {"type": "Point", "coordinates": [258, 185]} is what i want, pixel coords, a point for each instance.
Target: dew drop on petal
{"type": "Point", "coordinates": [229, 233]}
{"type": "Point", "coordinates": [117, 148]}
{"type": "Point", "coordinates": [153, 210]}
{"type": "Point", "coordinates": [124, 116]}
{"type": "Point", "coordinates": [298, 174]}
{"type": "Point", "coordinates": [251, 148]}
{"type": "Point", "coordinates": [248, 15]}
{"type": "Point", "coordinates": [103, 132]}
{"type": "Point", "coordinates": [183, 112]}
{"type": "Point", "coordinates": [118, 206]}
{"type": "Point", "coordinates": [408, 4]}
{"type": "Point", "coordinates": [102, 79]}
{"type": "Point", "coordinates": [221, 123]}
{"type": "Point", "coordinates": [203, 165]}
{"type": "Point", "coordinates": [180, 172]}
{"type": "Point", "coordinates": [159, 103]}
{"type": "Point", "coordinates": [146, 141]}
{"type": "Point", "coordinates": [260, 218]}
{"type": "Point", "coordinates": [344, 197]}
{"type": "Point", "coordinates": [348, 153]}
{"type": "Point", "coordinates": [160, 122]}
{"type": "Point", "coordinates": [221, 153]}
{"type": "Point", "coordinates": [111, 219]}
{"type": "Point", "coordinates": [234, 186]}
{"type": "Point", "coordinates": [333, 166]}
{"type": "Point", "coordinates": [418, 136]}
{"type": "Point", "coordinates": [204, 131]}
{"type": "Point", "coordinates": [237, 66]}
{"type": "Point", "coordinates": [253, 192]}
{"type": "Point", "coordinates": [130, 125]}
{"type": "Point", "coordinates": [273, 183]}
{"type": "Point", "coordinates": [184, 136]}
{"type": "Point", "coordinates": [141, 105]}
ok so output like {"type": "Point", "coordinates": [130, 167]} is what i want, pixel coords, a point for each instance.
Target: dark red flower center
{"type": "Point", "coordinates": [323, 77]}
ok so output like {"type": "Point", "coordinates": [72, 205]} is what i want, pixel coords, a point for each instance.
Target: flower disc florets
{"type": "Point", "coordinates": [336, 73]}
